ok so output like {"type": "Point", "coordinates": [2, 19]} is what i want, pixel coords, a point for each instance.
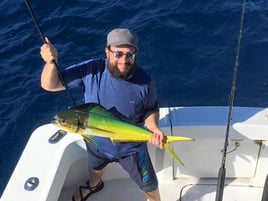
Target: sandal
{"type": "Point", "coordinates": [92, 190]}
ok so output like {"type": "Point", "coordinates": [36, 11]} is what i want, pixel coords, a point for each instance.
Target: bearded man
{"type": "Point", "coordinates": [118, 84]}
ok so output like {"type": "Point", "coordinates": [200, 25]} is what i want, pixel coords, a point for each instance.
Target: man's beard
{"type": "Point", "coordinates": [115, 72]}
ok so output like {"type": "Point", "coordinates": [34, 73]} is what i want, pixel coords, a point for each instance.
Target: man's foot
{"type": "Point", "coordinates": [86, 191]}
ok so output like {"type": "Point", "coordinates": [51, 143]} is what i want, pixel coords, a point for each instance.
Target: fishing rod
{"type": "Point", "coordinates": [222, 170]}
{"type": "Point", "coordinates": [54, 62]}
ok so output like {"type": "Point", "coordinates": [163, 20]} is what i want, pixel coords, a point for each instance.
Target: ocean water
{"type": "Point", "coordinates": [188, 46]}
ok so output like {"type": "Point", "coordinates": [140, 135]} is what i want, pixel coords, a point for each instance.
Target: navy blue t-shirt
{"type": "Point", "coordinates": [132, 99]}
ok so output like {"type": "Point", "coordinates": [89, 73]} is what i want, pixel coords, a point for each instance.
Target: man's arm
{"type": "Point", "coordinates": [49, 77]}
{"type": "Point", "coordinates": [151, 122]}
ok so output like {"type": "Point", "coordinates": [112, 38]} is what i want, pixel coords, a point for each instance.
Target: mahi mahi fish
{"type": "Point", "coordinates": [92, 119]}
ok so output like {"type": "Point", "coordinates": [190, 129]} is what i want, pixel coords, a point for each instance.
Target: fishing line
{"type": "Point", "coordinates": [222, 171]}
{"type": "Point", "coordinates": [54, 62]}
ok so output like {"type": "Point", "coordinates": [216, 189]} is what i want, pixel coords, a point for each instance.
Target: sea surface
{"type": "Point", "coordinates": [188, 46]}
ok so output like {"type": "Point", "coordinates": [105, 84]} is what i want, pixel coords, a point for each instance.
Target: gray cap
{"type": "Point", "coordinates": [122, 37]}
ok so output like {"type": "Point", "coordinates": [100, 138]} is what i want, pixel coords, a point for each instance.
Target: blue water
{"type": "Point", "coordinates": [188, 46]}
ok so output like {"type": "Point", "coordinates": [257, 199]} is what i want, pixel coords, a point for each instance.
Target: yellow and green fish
{"type": "Point", "coordinates": [92, 119]}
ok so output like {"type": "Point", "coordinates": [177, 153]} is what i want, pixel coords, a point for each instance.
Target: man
{"type": "Point", "coordinates": [118, 84]}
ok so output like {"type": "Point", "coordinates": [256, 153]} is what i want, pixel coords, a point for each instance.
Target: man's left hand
{"type": "Point", "coordinates": [157, 138]}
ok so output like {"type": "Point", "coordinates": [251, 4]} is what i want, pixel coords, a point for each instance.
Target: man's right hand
{"type": "Point", "coordinates": [48, 52]}
{"type": "Point", "coordinates": [49, 77]}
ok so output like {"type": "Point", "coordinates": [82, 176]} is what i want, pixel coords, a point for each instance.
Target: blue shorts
{"type": "Point", "coordinates": [138, 165]}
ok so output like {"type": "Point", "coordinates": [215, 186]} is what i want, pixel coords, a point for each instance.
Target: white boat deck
{"type": "Point", "coordinates": [125, 190]}
{"type": "Point", "coordinates": [183, 189]}
{"type": "Point", "coordinates": [61, 166]}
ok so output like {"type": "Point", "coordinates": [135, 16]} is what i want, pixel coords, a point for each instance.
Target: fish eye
{"type": "Point", "coordinates": [62, 121]}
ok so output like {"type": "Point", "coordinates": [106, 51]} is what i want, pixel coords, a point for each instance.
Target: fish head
{"type": "Point", "coordinates": [71, 120]}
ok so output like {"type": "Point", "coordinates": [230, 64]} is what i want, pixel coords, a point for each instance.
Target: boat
{"type": "Point", "coordinates": [54, 163]}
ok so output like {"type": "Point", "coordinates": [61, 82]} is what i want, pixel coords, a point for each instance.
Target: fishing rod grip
{"type": "Point", "coordinates": [220, 184]}
{"type": "Point", "coordinates": [265, 190]}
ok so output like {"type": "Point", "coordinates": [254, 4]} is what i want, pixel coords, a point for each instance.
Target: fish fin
{"type": "Point", "coordinates": [94, 108]}
{"type": "Point", "coordinates": [90, 132]}
{"type": "Point", "coordinates": [89, 139]}
{"type": "Point", "coordinates": [172, 153]}
{"type": "Point", "coordinates": [169, 139]}
{"type": "Point", "coordinates": [101, 111]}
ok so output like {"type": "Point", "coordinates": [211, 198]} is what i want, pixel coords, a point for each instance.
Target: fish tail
{"type": "Point", "coordinates": [167, 147]}
{"type": "Point", "coordinates": [172, 153]}
{"type": "Point", "coordinates": [169, 139]}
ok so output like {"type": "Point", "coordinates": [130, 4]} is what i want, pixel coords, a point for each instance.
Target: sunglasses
{"type": "Point", "coordinates": [117, 54]}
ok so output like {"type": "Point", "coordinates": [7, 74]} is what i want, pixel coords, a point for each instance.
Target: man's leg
{"type": "Point", "coordinates": [140, 169]}
{"type": "Point", "coordinates": [153, 196]}
{"type": "Point", "coordinates": [96, 164]}
{"type": "Point", "coordinates": [95, 178]}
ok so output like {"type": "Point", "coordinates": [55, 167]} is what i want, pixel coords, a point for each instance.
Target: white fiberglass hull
{"type": "Point", "coordinates": [51, 170]}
